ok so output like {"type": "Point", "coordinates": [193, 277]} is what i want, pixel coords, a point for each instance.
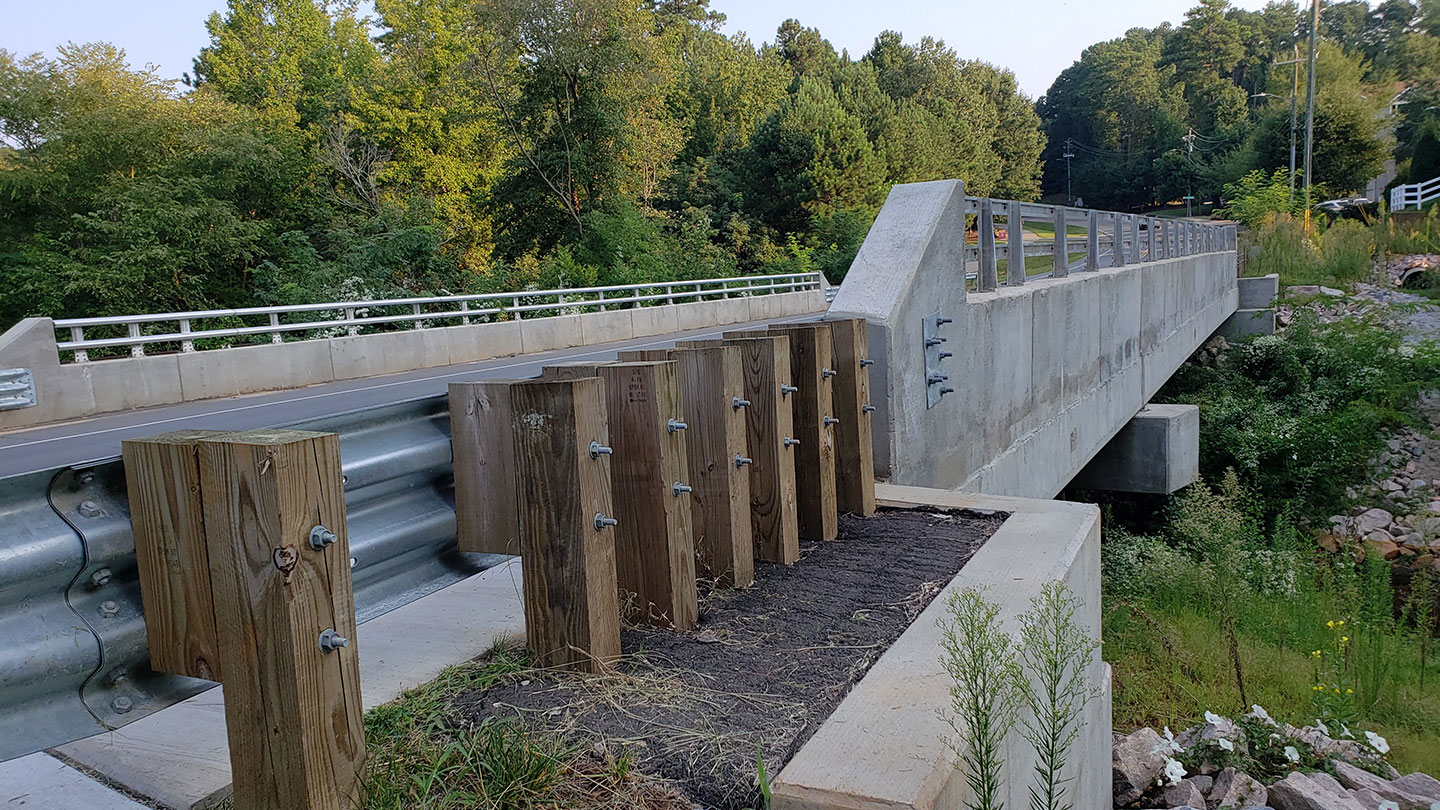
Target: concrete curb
{"type": "Point", "coordinates": [885, 745]}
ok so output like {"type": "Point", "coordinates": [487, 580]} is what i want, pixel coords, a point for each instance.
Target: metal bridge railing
{"type": "Point", "coordinates": [169, 330]}
{"type": "Point", "coordinates": [1084, 240]}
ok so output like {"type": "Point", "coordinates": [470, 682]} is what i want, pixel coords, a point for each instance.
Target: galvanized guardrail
{"type": "Point", "coordinates": [1105, 239]}
{"type": "Point", "coordinates": [178, 329]}
{"type": "Point", "coordinates": [73, 654]}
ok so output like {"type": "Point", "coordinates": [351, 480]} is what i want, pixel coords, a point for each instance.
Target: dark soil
{"type": "Point", "coordinates": [763, 667]}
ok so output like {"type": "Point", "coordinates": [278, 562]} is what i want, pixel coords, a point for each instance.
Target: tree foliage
{"type": "Point", "coordinates": [318, 152]}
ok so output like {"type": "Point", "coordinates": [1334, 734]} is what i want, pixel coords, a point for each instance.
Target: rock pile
{"type": "Point", "coordinates": [1399, 269]}
{"type": "Point", "coordinates": [1201, 769]}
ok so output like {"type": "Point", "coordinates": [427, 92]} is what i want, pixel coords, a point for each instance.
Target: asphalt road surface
{"type": "Point", "coordinates": [84, 441]}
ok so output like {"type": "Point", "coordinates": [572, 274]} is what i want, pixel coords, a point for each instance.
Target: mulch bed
{"type": "Point", "coordinates": [763, 667]}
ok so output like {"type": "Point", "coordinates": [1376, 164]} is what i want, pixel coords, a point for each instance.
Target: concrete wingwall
{"type": "Point", "coordinates": [1044, 374]}
{"type": "Point", "coordinates": [77, 390]}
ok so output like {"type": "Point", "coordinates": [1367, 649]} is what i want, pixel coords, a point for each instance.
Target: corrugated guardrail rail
{"type": "Point", "coordinates": [73, 655]}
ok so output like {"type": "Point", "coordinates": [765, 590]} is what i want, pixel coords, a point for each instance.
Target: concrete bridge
{"type": "Point", "coordinates": [986, 380]}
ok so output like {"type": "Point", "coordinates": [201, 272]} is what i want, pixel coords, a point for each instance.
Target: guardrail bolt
{"type": "Point", "coordinates": [118, 676]}
{"type": "Point", "coordinates": [680, 489]}
{"type": "Point", "coordinates": [122, 704]}
{"type": "Point", "coordinates": [674, 425]}
{"type": "Point", "coordinates": [867, 408]}
{"type": "Point", "coordinates": [944, 355]}
{"type": "Point", "coordinates": [601, 521]}
{"type": "Point", "coordinates": [944, 390]}
{"type": "Point", "coordinates": [330, 641]}
{"type": "Point", "coordinates": [830, 420]}
{"type": "Point", "coordinates": [320, 537]}
{"type": "Point", "coordinates": [108, 609]}
{"type": "Point", "coordinates": [741, 461]}
{"type": "Point", "coordinates": [934, 341]}
{"type": "Point", "coordinates": [87, 478]}
{"type": "Point", "coordinates": [90, 509]}
{"type": "Point", "coordinates": [101, 577]}
{"type": "Point", "coordinates": [787, 390]}
{"type": "Point", "coordinates": [791, 442]}
{"type": "Point", "coordinates": [864, 363]}
{"type": "Point", "coordinates": [827, 373]}
{"type": "Point", "coordinates": [737, 403]}
{"type": "Point", "coordinates": [597, 450]}
{"type": "Point", "coordinates": [939, 321]}
{"type": "Point", "coordinates": [937, 378]}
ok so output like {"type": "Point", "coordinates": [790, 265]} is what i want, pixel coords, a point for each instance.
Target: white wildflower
{"type": "Point", "coordinates": [1292, 754]}
{"type": "Point", "coordinates": [1345, 732]}
{"type": "Point", "coordinates": [1377, 742]}
{"type": "Point", "coordinates": [1224, 744]}
{"type": "Point", "coordinates": [1170, 741]}
{"type": "Point", "coordinates": [1323, 728]}
{"type": "Point", "coordinates": [1174, 771]}
{"type": "Point", "coordinates": [1213, 718]}
{"type": "Point", "coordinates": [1261, 714]}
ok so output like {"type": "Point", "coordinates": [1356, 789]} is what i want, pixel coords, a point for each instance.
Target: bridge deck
{"type": "Point", "coordinates": [97, 438]}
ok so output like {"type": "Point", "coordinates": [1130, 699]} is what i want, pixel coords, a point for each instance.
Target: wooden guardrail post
{"type": "Point", "coordinates": [567, 536]}
{"type": "Point", "coordinates": [482, 442]}
{"type": "Point", "coordinates": [655, 545]}
{"type": "Point", "coordinates": [770, 439]}
{"type": "Point", "coordinates": [855, 461]}
{"type": "Point", "coordinates": [285, 613]}
{"type": "Point", "coordinates": [711, 386]}
{"type": "Point", "coordinates": [812, 365]}
{"type": "Point", "coordinates": [167, 516]}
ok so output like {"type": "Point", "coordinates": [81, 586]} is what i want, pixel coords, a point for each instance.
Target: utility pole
{"type": "Point", "coordinates": [1189, 139]}
{"type": "Point", "coordinates": [1294, 99]}
{"type": "Point", "coordinates": [1069, 193]}
{"type": "Point", "coordinates": [1310, 105]}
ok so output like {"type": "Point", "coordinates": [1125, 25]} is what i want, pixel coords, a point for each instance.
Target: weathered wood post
{"type": "Point", "coordinates": [812, 364]}
{"type": "Point", "coordinates": [655, 545]}
{"type": "Point", "coordinates": [855, 448]}
{"type": "Point", "coordinates": [482, 443]}
{"type": "Point", "coordinates": [167, 517]}
{"type": "Point", "coordinates": [285, 615]}
{"type": "Point", "coordinates": [567, 522]}
{"type": "Point", "coordinates": [770, 439]}
{"type": "Point", "coordinates": [711, 382]}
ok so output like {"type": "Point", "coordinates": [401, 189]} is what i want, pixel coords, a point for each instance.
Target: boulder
{"type": "Point", "coordinates": [1382, 544]}
{"type": "Point", "coordinates": [1236, 790]}
{"type": "Point", "coordinates": [1373, 519]}
{"type": "Point", "coordinates": [1136, 760]}
{"type": "Point", "coordinates": [1204, 783]}
{"type": "Point", "coordinates": [1414, 792]}
{"type": "Point", "coordinates": [1184, 793]}
{"type": "Point", "coordinates": [1311, 791]}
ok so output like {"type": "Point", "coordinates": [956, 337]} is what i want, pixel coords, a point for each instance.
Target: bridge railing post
{"type": "Point", "coordinates": [1119, 237]}
{"type": "Point", "coordinates": [1062, 249]}
{"type": "Point", "coordinates": [988, 278]}
{"type": "Point", "coordinates": [1015, 253]}
{"type": "Point", "coordinates": [1092, 241]}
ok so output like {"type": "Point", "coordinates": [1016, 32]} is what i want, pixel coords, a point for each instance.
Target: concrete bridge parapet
{"type": "Point", "coordinates": [1041, 375]}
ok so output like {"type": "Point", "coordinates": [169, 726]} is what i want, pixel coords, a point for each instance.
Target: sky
{"type": "Point", "coordinates": [1035, 38]}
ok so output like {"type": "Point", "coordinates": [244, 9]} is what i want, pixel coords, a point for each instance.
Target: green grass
{"type": "Point", "coordinates": [1047, 229]}
{"type": "Point", "coordinates": [421, 756]}
{"type": "Point", "coordinates": [1174, 675]}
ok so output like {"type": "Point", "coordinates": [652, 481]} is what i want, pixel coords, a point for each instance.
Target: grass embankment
{"type": "Point", "coordinates": [1218, 598]}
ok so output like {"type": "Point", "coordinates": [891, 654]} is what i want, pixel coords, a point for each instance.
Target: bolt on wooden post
{"type": "Point", "coordinates": [812, 364]}
{"type": "Point", "coordinates": [855, 448]}
{"type": "Point", "coordinates": [482, 441]}
{"type": "Point", "coordinates": [274, 511]}
{"type": "Point", "coordinates": [567, 523]}
{"type": "Point", "coordinates": [655, 545]}
{"type": "Point", "coordinates": [712, 393]}
{"type": "Point", "coordinates": [770, 441]}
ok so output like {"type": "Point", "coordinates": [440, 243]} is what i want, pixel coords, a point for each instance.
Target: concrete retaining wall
{"type": "Point", "coordinates": [885, 745]}
{"type": "Point", "coordinates": [78, 390]}
{"type": "Point", "coordinates": [1044, 374]}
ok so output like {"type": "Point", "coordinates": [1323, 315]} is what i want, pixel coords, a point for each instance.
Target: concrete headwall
{"type": "Point", "coordinates": [885, 745]}
{"type": "Point", "coordinates": [1044, 374]}
{"type": "Point", "coordinates": [77, 390]}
